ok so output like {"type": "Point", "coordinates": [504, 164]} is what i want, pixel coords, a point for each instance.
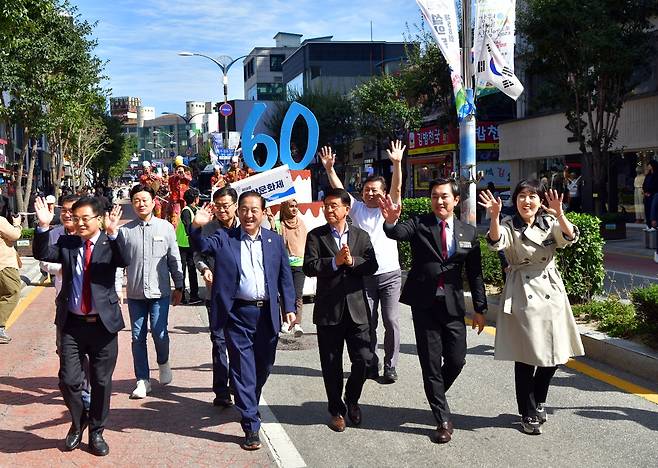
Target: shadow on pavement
{"type": "Point", "coordinates": [21, 441]}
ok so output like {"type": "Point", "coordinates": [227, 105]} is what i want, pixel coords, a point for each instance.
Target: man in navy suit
{"type": "Point", "coordinates": [251, 271]}
{"type": "Point", "coordinates": [88, 311]}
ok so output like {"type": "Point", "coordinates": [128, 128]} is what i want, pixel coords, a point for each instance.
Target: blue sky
{"type": "Point", "coordinates": [141, 39]}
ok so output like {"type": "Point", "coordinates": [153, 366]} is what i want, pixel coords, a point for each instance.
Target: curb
{"type": "Point", "coordinates": [623, 355]}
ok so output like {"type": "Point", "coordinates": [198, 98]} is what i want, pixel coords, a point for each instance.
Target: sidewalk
{"type": "Point", "coordinates": [176, 426]}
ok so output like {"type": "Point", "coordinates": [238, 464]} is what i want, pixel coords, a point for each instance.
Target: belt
{"type": "Point", "coordinates": [242, 302]}
{"type": "Point", "coordinates": [93, 318]}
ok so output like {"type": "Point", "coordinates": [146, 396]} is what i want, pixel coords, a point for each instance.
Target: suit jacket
{"type": "Point", "coordinates": [423, 233]}
{"type": "Point", "coordinates": [105, 259]}
{"type": "Point", "coordinates": [224, 246]}
{"type": "Point", "coordinates": [344, 286]}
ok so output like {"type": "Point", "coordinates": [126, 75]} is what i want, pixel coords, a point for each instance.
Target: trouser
{"type": "Point", "coordinates": [10, 290]}
{"type": "Point", "coordinates": [531, 386]}
{"type": "Point", "coordinates": [86, 390]}
{"type": "Point", "coordinates": [441, 343]}
{"type": "Point", "coordinates": [187, 261]}
{"type": "Point", "coordinates": [647, 209]}
{"type": "Point", "coordinates": [251, 350]}
{"type": "Point", "coordinates": [220, 365]}
{"type": "Point", "coordinates": [298, 278]}
{"type": "Point", "coordinates": [80, 338]}
{"type": "Point", "coordinates": [384, 290]}
{"type": "Point", "coordinates": [141, 311]}
{"type": "Point", "coordinates": [330, 344]}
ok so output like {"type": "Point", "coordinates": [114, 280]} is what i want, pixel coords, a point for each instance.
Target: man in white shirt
{"type": "Point", "coordinates": [384, 286]}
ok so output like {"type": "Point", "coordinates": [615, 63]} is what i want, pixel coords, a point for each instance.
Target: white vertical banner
{"type": "Point", "coordinates": [441, 16]}
{"type": "Point", "coordinates": [497, 19]}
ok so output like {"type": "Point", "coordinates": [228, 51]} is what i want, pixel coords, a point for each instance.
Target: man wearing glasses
{"type": "Point", "coordinates": [225, 205]}
{"type": "Point", "coordinates": [88, 311]}
{"type": "Point", "coordinates": [340, 255]}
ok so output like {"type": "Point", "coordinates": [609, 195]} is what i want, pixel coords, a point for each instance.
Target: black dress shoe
{"type": "Point", "coordinates": [444, 432]}
{"type": "Point", "coordinates": [390, 376]}
{"type": "Point", "coordinates": [74, 435]}
{"type": "Point", "coordinates": [97, 444]}
{"type": "Point", "coordinates": [354, 413]}
{"type": "Point", "coordinates": [222, 402]}
{"type": "Point", "coordinates": [372, 372]}
{"type": "Point", "coordinates": [251, 441]}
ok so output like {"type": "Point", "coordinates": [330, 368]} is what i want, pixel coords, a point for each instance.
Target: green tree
{"type": "Point", "coordinates": [591, 54]}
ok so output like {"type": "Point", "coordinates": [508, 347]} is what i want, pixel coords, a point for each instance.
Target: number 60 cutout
{"type": "Point", "coordinates": [249, 140]}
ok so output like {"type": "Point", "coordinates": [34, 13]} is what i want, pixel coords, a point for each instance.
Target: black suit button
{"type": "Point", "coordinates": [547, 296]}
{"type": "Point", "coordinates": [529, 296]}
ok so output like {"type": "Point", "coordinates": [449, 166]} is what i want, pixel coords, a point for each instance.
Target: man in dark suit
{"type": "Point", "coordinates": [441, 246]}
{"type": "Point", "coordinates": [340, 255]}
{"type": "Point", "coordinates": [87, 311]}
{"type": "Point", "coordinates": [251, 271]}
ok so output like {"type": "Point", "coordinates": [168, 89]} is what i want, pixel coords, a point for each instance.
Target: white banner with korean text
{"type": "Point", "coordinates": [275, 185]}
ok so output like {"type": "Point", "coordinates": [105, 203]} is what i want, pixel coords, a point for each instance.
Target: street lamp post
{"type": "Point", "coordinates": [187, 120]}
{"type": "Point", "coordinates": [225, 63]}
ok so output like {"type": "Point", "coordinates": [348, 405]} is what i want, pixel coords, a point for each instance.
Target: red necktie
{"type": "Point", "coordinates": [85, 305]}
{"type": "Point", "coordinates": [444, 248]}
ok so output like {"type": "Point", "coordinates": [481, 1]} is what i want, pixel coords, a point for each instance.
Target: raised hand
{"type": "Point", "coordinates": [44, 215]}
{"type": "Point", "coordinates": [492, 204]}
{"type": "Point", "coordinates": [112, 219]}
{"type": "Point", "coordinates": [327, 157]}
{"type": "Point", "coordinates": [554, 202]}
{"type": "Point", "coordinates": [396, 152]}
{"type": "Point", "coordinates": [390, 211]}
{"type": "Point", "coordinates": [203, 215]}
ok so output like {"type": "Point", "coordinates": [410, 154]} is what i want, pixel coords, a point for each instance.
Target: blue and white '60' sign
{"type": "Point", "coordinates": [249, 140]}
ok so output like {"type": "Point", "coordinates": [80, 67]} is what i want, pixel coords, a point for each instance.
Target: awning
{"type": "Point", "coordinates": [429, 160]}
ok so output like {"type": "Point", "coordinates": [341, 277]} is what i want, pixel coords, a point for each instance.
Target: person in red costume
{"type": "Point", "coordinates": [235, 172]}
{"type": "Point", "coordinates": [178, 185]}
{"type": "Point", "coordinates": [151, 179]}
{"type": "Point", "coordinates": [217, 179]}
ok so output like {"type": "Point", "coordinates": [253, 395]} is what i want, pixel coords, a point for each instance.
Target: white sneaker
{"type": "Point", "coordinates": [297, 330]}
{"type": "Point", "coordinates": [141, 390]}
{"type": "Point", "coordinates": [285, 328]}
{"type": "Point", "coordinates": [165, 373]}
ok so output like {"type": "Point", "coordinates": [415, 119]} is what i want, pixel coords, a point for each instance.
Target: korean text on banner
{"type": "Point", "coordinates": [441, 15]}
{"type": "Point", "coordinates": [496, 18]}
{"type": "Point", "coordinates": [493, 68]}
{"type": "Point", "coordinates": [275, 185]}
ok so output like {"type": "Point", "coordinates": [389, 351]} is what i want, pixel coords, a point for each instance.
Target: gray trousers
{"type": "Point", "coordinates": [384, 290]}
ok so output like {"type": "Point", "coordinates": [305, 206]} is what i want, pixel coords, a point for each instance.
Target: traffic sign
{"type": "Point", "coordinates": [226, 109]}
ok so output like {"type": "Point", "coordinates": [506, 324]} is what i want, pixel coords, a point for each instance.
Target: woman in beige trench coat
{"type": "Point", "coordinates": [535, 326]}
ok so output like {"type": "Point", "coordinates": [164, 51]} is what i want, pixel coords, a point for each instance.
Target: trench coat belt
{"type": "Point", "coordinates": [507, 304]}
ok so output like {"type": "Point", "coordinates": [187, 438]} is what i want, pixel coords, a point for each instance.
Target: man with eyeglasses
{"type": "Point", "coordinates": [88, 311]}
{"type": "Point", "coordinates": [251, 275]}
{"type": "Point", "coordinates": [383, 287]}
{"type": "Point", "coordinates": [149, 244]}
{"type": "Point", "coordinates": [340, 255]}
{"type": "Point", "coordinates": [225, 201]}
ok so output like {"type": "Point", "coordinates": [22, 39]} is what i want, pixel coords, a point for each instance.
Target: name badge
{"type": "Point", "coordinates": [465, 245]}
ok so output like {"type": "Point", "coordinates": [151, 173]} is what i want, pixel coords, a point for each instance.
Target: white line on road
{"type": "Point", "coordinates": [283, 450]}
{"type": "Point", "coordinates": [654, 278]}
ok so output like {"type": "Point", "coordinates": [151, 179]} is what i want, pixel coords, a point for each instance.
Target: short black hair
{"type": "Point", "coordinates": [141, 188]}
{"type": "Point", "coordinates": [69, 198]}
{"type": "Point", "coordinates": [376, 178]}
{"type": "Point", "coordinates": [224, 191]}
{"type": "Point", "coordinates": [94, 203]}
{"type": "Point", "coordinates": [190, 195]}
{"type": "Point", "coordinates": [532, 186]}
{"type": "Point", "coordinates": [338, 193]}
{"type": "Point", "coordinates": [454, 186]}
{"type": "Point", "coordinates": [249, 194]}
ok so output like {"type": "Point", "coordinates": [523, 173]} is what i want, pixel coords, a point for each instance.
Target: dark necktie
{"type": "Point", "coordinates": [85, 305]}
{"type": "Point", "coordinates": [444, 249]}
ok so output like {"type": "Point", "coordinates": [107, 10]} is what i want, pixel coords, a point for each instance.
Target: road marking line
{"type": "Point", "coordinates": [23, 304]}
{"type": "Point", "coordinates": [654, 278]}
{"type": "Point", "coordinates": [283, 450]}
{"type": "Point", "coordinates": [597, 374]}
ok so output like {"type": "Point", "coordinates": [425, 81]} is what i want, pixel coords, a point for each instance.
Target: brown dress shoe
{"type": "Point", "coordinates": [337, 423]}
{"type": "Point", "coordinates": [354, 413]}
{"type": "Point", "coordinates": [444, 432]}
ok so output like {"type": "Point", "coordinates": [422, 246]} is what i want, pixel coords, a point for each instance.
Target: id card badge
{"type": "Point", "coordinates": [465, 245]}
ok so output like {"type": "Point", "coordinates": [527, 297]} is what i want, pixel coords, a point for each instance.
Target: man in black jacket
{"type": "Point", "coordinates": [88, 312]}
{"type": "Point", "coordinates": [340, 256]}
{"type": "Point", "coordinates": [441, 246]}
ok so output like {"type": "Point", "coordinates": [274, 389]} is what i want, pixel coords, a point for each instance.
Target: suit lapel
{"type": "Point", "coordinates": [329, 241]}
{"type": "Point", "coordinates": [235, 243]}
{"type": "Point", "coordinates": [436, 234]}
{"type": "Point", "coordinates": [266, 246]}
{"type": "Point", "coordinates": [458, 233]}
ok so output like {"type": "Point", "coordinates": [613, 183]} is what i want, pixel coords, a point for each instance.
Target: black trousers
{"type": "Point", "coordinates": [531, 386]}
{"type": "Point", "coordinates": [187, 261]}
{"type": "Point", "coordinates": [80, 338]}
{"type": "Point", "coordinates": [441, 343]}
{"type": "Point", "coordinates": [220, 365]}
{"type": "Point", "coordinates": [330, 344]}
